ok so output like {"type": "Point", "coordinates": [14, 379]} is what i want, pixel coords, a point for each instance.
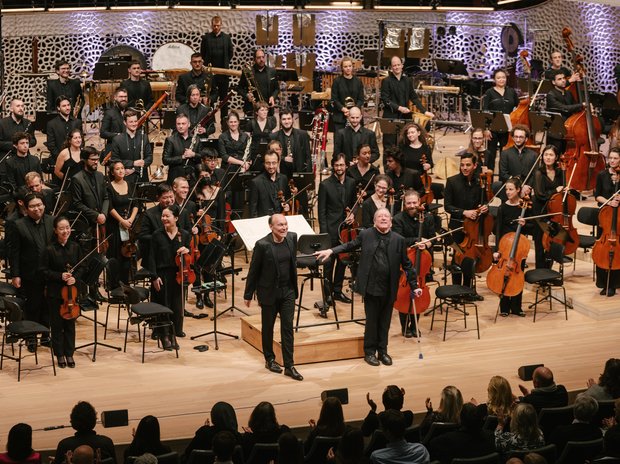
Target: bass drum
{"type": "Point", "coordinates": [125, 50]}
{"type": "Point", "coordinates": [172, 58]}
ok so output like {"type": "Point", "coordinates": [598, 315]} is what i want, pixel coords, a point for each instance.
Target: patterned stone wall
{"type": "Point", "coordinates": [82, 37]}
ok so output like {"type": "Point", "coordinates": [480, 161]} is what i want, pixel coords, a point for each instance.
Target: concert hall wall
{"type": "Point", "coordinates": [81, 37]}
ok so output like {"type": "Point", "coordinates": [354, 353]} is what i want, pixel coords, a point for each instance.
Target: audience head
{"type": "Point", "coordinates": [393, 425]}
{"type": "Point", "coordinates": [350, 447]}
{"type": "Point", "coordinates": [224, 417]}
{"type": "Point", "coordinates": [471, 418]}
{"type": "Point", "coordinates": [146, 458]}
{"type": "Point", "coordinates": [289, 449]}
{"type": "Point", "coordinates": [83, 454]}
{"type": "Point", "coordinates": [263, 418]}
{"type": "Point", "coordinates": [331, 418]}
{"type": "Point", "coordinates": [610, 378]}
{"type": "Point", "coordinates": [500, 398]}
{"type": "Point", "coordinates": [83, 417]}
{"type": "Point", "coordinates": [534, 458]}
{"type": "Point", "coordinates": [147, 433]}
{"type": "Point", "coordinates": [224, 443]}
{"type": "Point", "coordinates": [542, 377]}
{"type": "Point", "coordinates": [514, 461]}
{"type": "Point", "coordinates": [19, 442]}
{"type": "Point", "coordinates": [524, 422]}
{"type": "Point", "coordinates": [585, 408]}
{"type": "Point", "coordinates": [451, 403]}
{"type": "Point", "coordinates": [393, 397]}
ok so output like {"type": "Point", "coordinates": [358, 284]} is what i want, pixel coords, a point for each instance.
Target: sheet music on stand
{"type": "Point", "coordinates": [253, 229]}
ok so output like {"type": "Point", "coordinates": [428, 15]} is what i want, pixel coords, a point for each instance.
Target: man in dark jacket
{"type": "Point", "coordinates": [546, 394]}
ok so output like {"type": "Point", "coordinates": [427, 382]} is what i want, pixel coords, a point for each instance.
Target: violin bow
{"type": "Point", "coordinates": [62, 187]}
{"type": "Point", "coordinates": [70, 271]}
{"type": "Point", "coordinates": [359, 197]}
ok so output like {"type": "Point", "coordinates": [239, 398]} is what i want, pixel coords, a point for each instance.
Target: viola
{"type": "Point", "coordinates": [506, 278]}
{"type": "Point", "coordinates": [428, 196]}
{"type": "Point", "coordinates": [69, 308]}
{"type": "Point", "coordinates": [605, 252]}
{"type": "Point", "coordinates": [184, 262]}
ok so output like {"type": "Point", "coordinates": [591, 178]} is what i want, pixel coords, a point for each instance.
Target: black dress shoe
{"type": "Point", "coordinates": [385, 359]}
{"type": "Point", "coordinates": [477, 297]}
{"type": "Point", "coordinates": [342, 297]}
{"type": "Point", "coordinates": [182, 334]}
{"type": "Point", "coordinates": [603, 292]}
{"type": "Point", "coordinates": [273, 366]}
{"type": "Point", "coordinates": [371, 359]}
{"type": "Point", "coordinates": [408, 334]}
{"type": "Point", "coordinates": [611, 292]}
{"type": "Point", "coordinates": [293, 374]}
{"type": "Point", "coordinates": [166, 343]}
{"type": "Point", "coordinates": [520, 313]}
{"type": "Point", "coordinates": [208, 302]}
{"type": "Point", "coordinates": [70, 362]}
{"type": "Point", "coordinates": [61, 362]}
{"type": "Point", "coordinates": [199, 303]}
{"type": "Point", "coordinates": [323, 313]}
{"type": "Point", "coordinates": [188, 314]}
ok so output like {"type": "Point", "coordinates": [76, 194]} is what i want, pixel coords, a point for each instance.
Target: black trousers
{"type": "Point", "coordinates": [413, 320]}
{"type": "Point", "coordinates": [378, 311]}
{"type": "Point", "coordinates": [496, 145]}
{"type": "Point", "coordinates": [33, 292]}
{"type": "Point", "coordinates": [336, 278]}
{"type": "Point", "coordinates": [511, 304]}
{"type": "Point", "coordinates": [170, 296]}
{"type": "Point", "coordinates": [285, 306]}
{"type": "Point", "coordinates": [63, 330]}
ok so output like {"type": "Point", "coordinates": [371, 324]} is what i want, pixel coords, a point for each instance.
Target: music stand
{"type": "Point", "coordinates": [230, 249]}
{"type": "Point", "coordinates": [501, 123]}
{"type": "Point", "coordinates": [303, 180]}
{"type": "Point", "coordinates": [550, 123]}
{"type": "Point", "coordinates": [287, 74]}
{"type": "Point", "coordinates": [391, 126]}
{"type": "Point", "coordinates": [211, 259]}
{"type": "Point", "coordinates": [146, 191]}
{"type": "Point", "coordinates": [451, 67]}
{"type": "Point", "coordinates": [481, 119]}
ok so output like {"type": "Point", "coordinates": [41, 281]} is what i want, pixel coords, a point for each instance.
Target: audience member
{"type": "Point", "coordinates": [534, 458]}
{"type": "Point", "coordinates": [609, 422]}
{"type": "Point", "coordinates": [83, 420]}
{"type": "Point", "coordinates": [350, 449]}
{"type": "Point", "coordinates": [393, 398]}
{"type": "Point", "coordinates": [449, 409]}
{"type": "Point", "coordinates": [83, 454]}
{"type": "Point", "coordinates": [19, 447]}
{"type": "Point", "coordinates": [146, 439]}
{"type": "Point", "coordinates": [612, 443]}
{"type": "Point", "coordinates": [398, 450]}
{"type": "Point", "coordinates": [330, 423]}
{"type": "Point", "coordinates": [581, 429]}
{"type": "Point", "coordinates": [500, 400]}
{"type": "Point", "coordinates": [469, 441]}
{"type": "Point", "coordinates": [289, 449]}
{"type": "Point", "coordinates": [524, 434]}
{"type": "Point", "coordinates": [608, 386]}
{"type": "Point", "coordinates": [223, 447]}
{"type": "Point", "coordinates": [546, 393]}
{"type": "Point", "coordinates": [146, 458]}
{"type": "Point", "coordinates": [263, 427]}
{"type": "Point", "coordinates": [223, 418]}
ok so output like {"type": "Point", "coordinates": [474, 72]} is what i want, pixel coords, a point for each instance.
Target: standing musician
{"type": "Point", "coordinates": [34, 184]}
{"type": "Point", "coordinates": [64, 86]}
{"type": "Point", "coordinates": [402, 178]}
{"type": "Point", "coordinates": [138, 89]}
{"type": "Point", "coordinates": [260, 128]}
{"type": "Point", "coordinates": [295, 146]}
{"type": "Point", "coordinates": [383, 252]}
{"type": "Point", "coordinates": [28, 237]}
{"type": "Point", "coordinates": [197, 76]}
{"type": "Point", "coordinates": [58, 128]}
{"type": "Point", "coordinates": [217, 50]}
{"type": "Point", "coordinates": [23, 162]}
{"type": "Point", "coordinates": [517, 161]}
{"type": "Point", "coordinates": [500, 99]}
{"type": "Point", "coordinates": [396, 93]}
{"type": "Point", "coordinates": [268, 189]}
{"type": "Point", "coordinates": [607, 184]}
{"type": "Point", "coordinates": [378, 199]}
{"type": "Point", "coordinates": [15, 122]}
{"type": "Point", "coordinates": [267, 87]}
{"type": "Point", "coordinates": [170, 242]}
{"type": "Point", "coordinates": [152, 219]}
{"type": "Point", "coordinates": [478, 147]}
{"type": "Point", "coordinates": [362, 171]}
{"type": "Point", "coordinates": [462, 200]}
{"type": "Point", "coordinates": [413, 146]}
{"type": "Point", "coordinates": [559, 100]}
{"type": "Point", "coordinates": [187, 207]}
{"type": "Point", "coordinates": [407, 224]}
{"type": "Point", "coordinates": [133, 149]}
{"type": "Point", "coordinates": [557, 64]}
{"type": "Point", "coordinates": [232, 145]}
{"type": "Point", "coordinates": [121, 218]}
{"type": "Point", "coordinates": [195, 110]}
{"type": "Point", "coordinates": [336, 195]}
{"type": "Point", "coordinates": [507, 221]}
{"type": "Point", "coordinates": [177, 153]}
{"type": "Point", "coordinates": [113, 123]}
{"type": "Point", "coordinates": [69, 159]}
{"type": "Point", "coordinates": [211, 180]}
{"type": "Point", "coordinates": [56, 261]}
{"type": "Point", "coordinates": [348, 139]}
{"type": "Point", "coordinates": [273, 278]}
{"type": "Point", "coordinates": [347, 92]}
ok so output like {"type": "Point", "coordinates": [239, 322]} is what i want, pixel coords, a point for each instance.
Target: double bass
{"type": "Point", "coordinates": [521, 114]}
{"type": "Point", "coordinates": [582, 130]}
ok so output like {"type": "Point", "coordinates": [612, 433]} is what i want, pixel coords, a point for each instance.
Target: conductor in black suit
{"type": "Point", "coordinates": [265, 187]}
{"type": "Point", "coordinates": [383, 252]}
{"type": "Point", "coordinates": [273, 277]}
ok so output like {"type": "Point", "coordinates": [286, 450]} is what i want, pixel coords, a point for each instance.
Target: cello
{"type": "Point", "coordinates": [582, 130]}
{"type": "Point", "coordinates": [605, 253]}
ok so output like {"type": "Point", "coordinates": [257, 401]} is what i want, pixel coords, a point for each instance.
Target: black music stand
{"type": "Point", "coordinates": [391, 126]}
{"type": "Point", "coordinates": [231, 251]}
{"type": "Point", "coordinates": [481, 119]}
{"type": "Point", "coordinates": [500, 122]}
{"type": "Point", "coordinates": [287, 74]}
{"type": "Point", "coordinates": [451, 67]}
{"type": "Point", "coordinates": [551, 124]}
{"type": "Point", "coordinates": [303, 180]}
{"type": "Point", "coordinates": [211, 260]}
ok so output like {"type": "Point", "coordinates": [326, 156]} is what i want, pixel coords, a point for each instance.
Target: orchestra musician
{"type": "Point", "coordinates": [267, 188]}
{"type": "Point", "coordinates": [517, 161]}
{"type": "Point", "coordinates": [478, 147]}
{"type": "Point", "coordinates": [151, 220]}
{"type": "Point", "coordinates": [560, 100]}
{"type": "Point", "coordinates": [347, 92]}
{"type": "Point", "coordinates": [266, 84]}
{"type": "Point", "coordinates": [59, 127]}
{"type": "Point", "coordinates": [22, 162]}
{"type": "Point", "coordinates": [413, 146]}
{"type": "Point", "coordinates": [113, 123]}
{"type": "Point", "coordinates": [261, 128]}
{"type": "Point", "coordinates": [378, 200]}
{"type": "Point", "coordinates": [133, 149]}
{"type": "Point", "coordinates": [56, 261]}
{"type": "Point", "coordinates": [138, 89]}
{"type": "Point", "coordinates": [336, 195]}
{"type": "Point", "coordinates": [15, 122]}
{"type": "Point", "coordinates": [177, 153]}
{"type": "Point", "coordinates": [69, 159]}
{"type": "Point", "coordinates": [402, 178]}
{"type": "Point", "coordinates": [295, 146]}
{"type": "Point", "coordinates": [217, 50]}
{"type": "Point", "coordinates": [211, 178]}
{"type": "Point", "coordinates": [396, 94]}
{"type": "Point", "coordinates": [34, 184]}
{"type": "Point", "coordinates": [348, 139]}
{"type": "Point", "coordinates": [362, 171]}
{"type": "Point", "coordinates": [63, 86]}
{"type": "Point", "coordinates": [232, 145]}
{"type": "Point", "coordinates": [195, 110]}
{"type": "Point", "coordinates": [499, 99]}
{"type": "Point", "coordinates": [196, 76]}
{"type": "Point", "coordinates": [607, 184]}
{"type": "Point", "coordinates": [170, 241]}
{"type": "Point", "coordinates": [557, 64]}
{"type": "Point", "coordinates": [29, 236]}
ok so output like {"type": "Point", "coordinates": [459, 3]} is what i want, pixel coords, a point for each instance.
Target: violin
{"type": "Point", "coordinates": [69, 308]}
{"type": "Point", "coordinates": [428, 196]}
{"type": "Point", "coordinates": [506, 278]}
{"type": "Point", "coordinates": [605, 252]}
{"type": "Point", "coordinates": [185, 273]}
{"type": "Point", "coordinates": [293, 203]}
{"type": "Point", "coordinates": [100, 233]}
{"type": "Point", "coordinates": [564, 205]}
{"type": "Point", "coordinates": [282, 202]}
{"type": "Point", "coordinates": [206, 234]}
{"type": "Point", "coordinates": [422, 261]}
{"type": "Point", "coordinates": [348, 232]}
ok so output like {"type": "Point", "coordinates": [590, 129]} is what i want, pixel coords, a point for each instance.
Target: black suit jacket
{"type": "Point", "coordinates": [184, 81]}
{"type": "Point", "coordinates": [87, 199]}
{"type": "Point", "coordinates": [112, 125]}
{"type": "Point", "coordinates": [559, 102]}
{"type": "Point", "coordinates": [127, 151]}
{"type": "Point", "coordinates": [96, 442]}
{"type": "Point", "coordinates": [209, 42]}
{"type": "Point", "coordinates": [550, 397]}
{"type": "Point", "coordinates": [8, 127]}
{"type": "Point", "coordinates": [71, 89]}
{"type": "Point", "coordinates": [513, 164]}
{"type": "Point", "coordinates": [174, 146]}
{"type": "Point", "coordinates": [264, 194]}
{"type": "Point", "coordinates": [300, 146]}
{"type": "Point", "coordinates": [395, 93]}
{"type": "Point", "coordinates": [26, 249]}
{"type": "Point", "coordinates": [57, 132]}
{"type": "Point", "coordinates": [334, 197]}
{"type": "Point", "coordinates": [17, 168]}
{"type": "Point", "coordinates": [264, 271]}
{"type": "Point", "coordinates": [138, 90]}
{"type": "Point", "coordinates": [368, 240]}
{"type": "Point", "coordinates": [345, 141]}
{"type": "Point", "coordinates": [151, 221]}
{"type": "Point", "coordinates": [343, 88]}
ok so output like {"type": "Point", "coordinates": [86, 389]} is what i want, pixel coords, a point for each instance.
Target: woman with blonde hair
{"type": "Point", "coordinates": [449, 409]}
{"type": "Point", "coordinates": [524, 434]}
{"type": "Point", "coordinates": [500, 400]}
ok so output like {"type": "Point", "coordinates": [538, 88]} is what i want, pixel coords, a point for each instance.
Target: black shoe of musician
{"type": "Point", "coordinates": [188, 314]}
{"type": "Point", "coordinates": [61, 362]}
{"type": "Point", "coordinates": [408, 334]}
{"type": "Point", "coordinates": [520, 313]}
{"type": "Point", "coordinates": [166, 343]}
{"type": "Point", "coordinates": [603, 292]}
{"type": "Point", "coordinates": [199, 303]}
{"type": "Point", "coordinates": [70, 362]}
{"type": "Point", "coordinates": [182, 334]}
{"type": "Point", "coordinates": [342, 297]}
{"type": "Point", "coordinates": [371, 359]}
{"type": "Point", "coordinates": [611, 292]}
{"type": "Point", "coordinates": [273, 366]}
{"type": "Point", "coordinates": [385, 359]}
{"type": "Point", "coordinates": [208, 302]}
{"type": "Point", "coordinates": [477, 297]}
{"type": "Point", "coordinates": [293, 374]}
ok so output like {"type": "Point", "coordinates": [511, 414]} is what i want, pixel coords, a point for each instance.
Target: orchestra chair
{"type": "Point", "coordinates": [606, 409]}
{"type": "Point", "coordinates": [412, 434]}
{"type": "Point", "coordinates": [578, 452]}
{"type": "Point", "coordinates": [306, 245]}
{"type": "Point", "coordinates": [147, 314]}
{"type": "Point", "coordinates": [455, 297]}
{"type": "Point", "coordinates": [22, 332]}
{"type": "Point", "coordinates": [378, 440]}
{"type": "Point", "coordinates": [546, 279]}
{"type": "Point", "coordinates": [492, 458]}
{"type": "Point", "coordinates": [198, 456]}
{"type": "Point", "coordinates": [263, 453]}
{"type": "Point", "coordinates": [320, 447]}
{"type": "Point", "coordinates": [551, 418]}
{"type": "Point", "coordinates": [589, 216]}
{"type": "Point", "coordinates": [549, 452]}
{"type": "Point", "coordinates": [437, 429]}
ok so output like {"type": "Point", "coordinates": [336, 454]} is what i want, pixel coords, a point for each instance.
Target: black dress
{"type": "Point", "coordinates": [544, 189]}
{"type": "Point", "coordinates": [121, 203]}
{"type": "Point", "coordinates": [412, 157]}
{"type": "Point", "coordinates": [605, 187]}
{"type": "Point", "coordinates": [260, 136]}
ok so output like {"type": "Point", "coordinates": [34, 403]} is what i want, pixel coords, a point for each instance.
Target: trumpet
{"type": "Point", "coordinates": [253, 90]}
